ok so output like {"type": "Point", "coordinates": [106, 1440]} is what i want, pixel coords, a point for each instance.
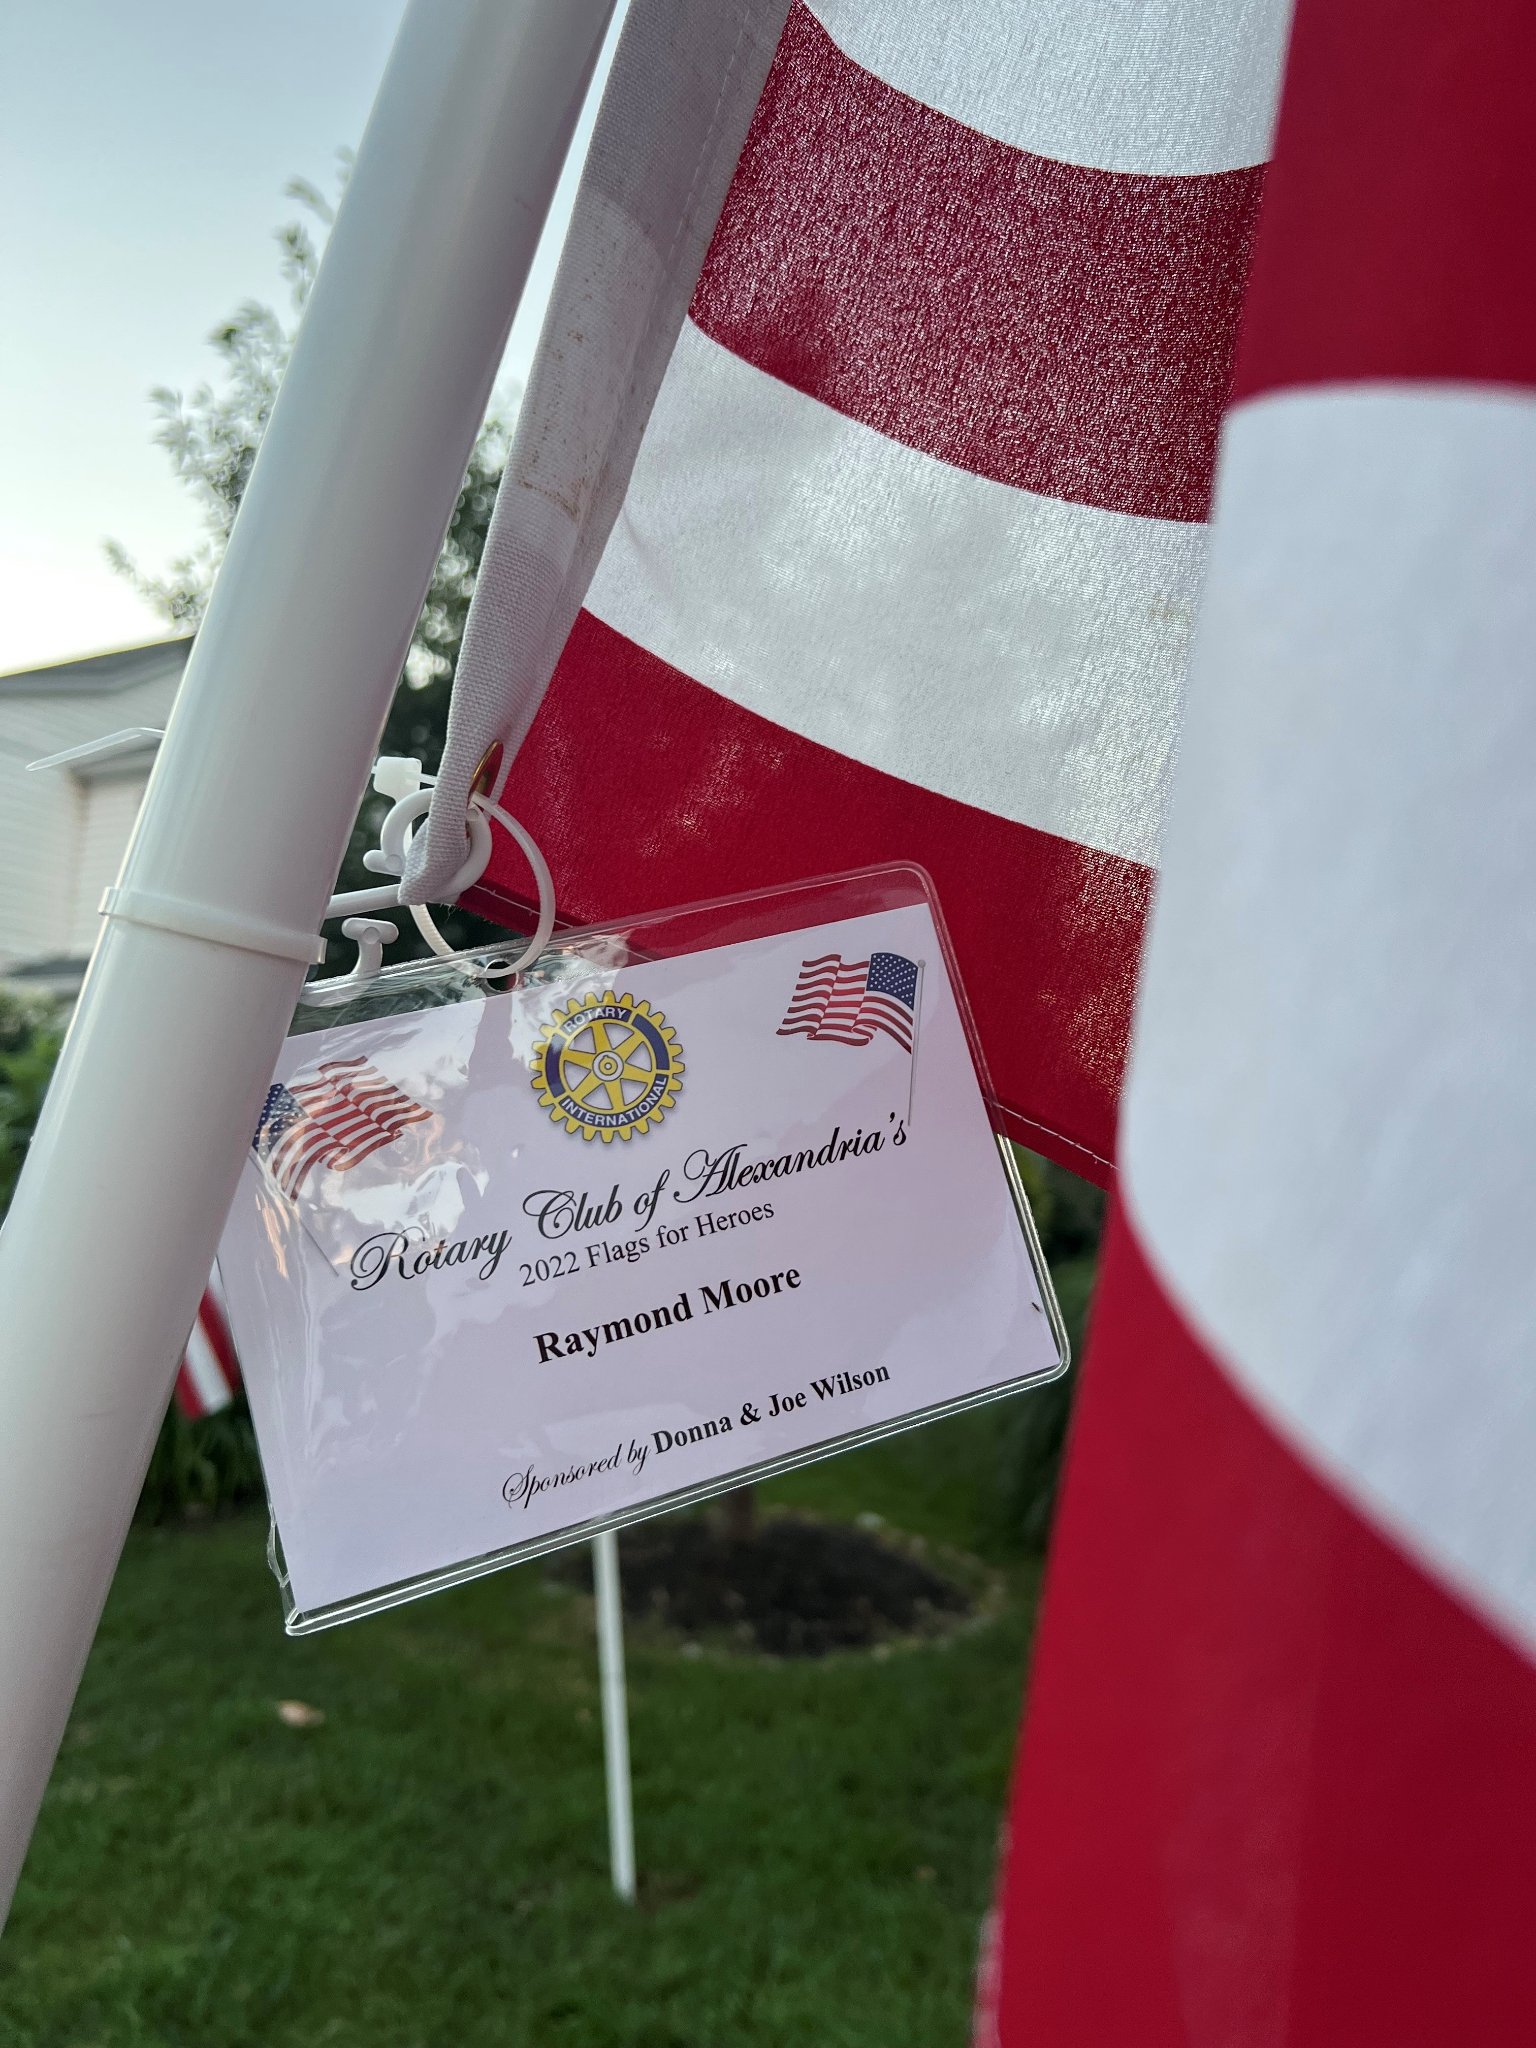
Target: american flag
{"type": "Point", "coordinates": [965, 328]}
{"type": "Point", "coordinates": [850, 1000]}
{"type": "Point", "coordinates": [209, 1375]}
{"type": "Point", "coordinates": [336, 1117]}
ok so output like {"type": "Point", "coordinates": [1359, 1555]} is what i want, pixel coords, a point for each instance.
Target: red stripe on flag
{"type": "Point", "coordinates": [1276, 1785]}
{"type": "Point", "coordinates": [364, 1147]}
{"type": "Point", "coordinates": [1063, 329]}
{"type": "Point", "coordinates": [216, 1330]}
{"type": "Point", "coordinates": [1050, 931]}
{"type": "Point", "coordinates": [188, 1399]}
{"type": "Point", "coordinates": [1399, 243]}
{"type": "Point", "coordinates": [205, 1391]}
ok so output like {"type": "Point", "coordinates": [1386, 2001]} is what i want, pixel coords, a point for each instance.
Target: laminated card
{"type": "Point", "coordinates": [691, 1202]}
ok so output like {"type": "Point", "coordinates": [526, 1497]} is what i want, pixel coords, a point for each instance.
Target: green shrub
{"type": "Point", "coordinates": [198, 1467]}
{"type": "Point", "coordinates": [30, 1037]}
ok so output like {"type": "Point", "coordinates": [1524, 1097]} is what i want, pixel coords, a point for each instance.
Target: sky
{"type": "Point", "coordinates": [144, 152]}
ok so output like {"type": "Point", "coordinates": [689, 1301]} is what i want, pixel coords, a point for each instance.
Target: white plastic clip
{"type": "Point", "coordinates": [397, 775]}
{"type": "Point", "coordinates": [400, 778]}
{"type": "Point", "coordinates": [370, 935]}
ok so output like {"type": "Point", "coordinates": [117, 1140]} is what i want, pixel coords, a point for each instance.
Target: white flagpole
{"type": "Point", "coordinates": [610, 1667]}
{"type": "Point", "coordinates": [114, 1224]}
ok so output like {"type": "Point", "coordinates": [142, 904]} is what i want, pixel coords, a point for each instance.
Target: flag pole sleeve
{"type": "Point", "coordinates": [116, 1217]}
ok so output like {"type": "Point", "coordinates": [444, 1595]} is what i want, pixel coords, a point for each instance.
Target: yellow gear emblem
{"type": "Point", "coordinates": [608, 1067]}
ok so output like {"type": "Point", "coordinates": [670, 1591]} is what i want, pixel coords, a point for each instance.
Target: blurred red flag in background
{"type": "Point", "coordinates": [1278, 1782]}
{"type": "Point", "coordinates": [209, 1375]}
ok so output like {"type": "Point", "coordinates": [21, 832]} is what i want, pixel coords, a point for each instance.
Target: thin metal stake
{"type": "Point", "coordinates": [610, 1667]}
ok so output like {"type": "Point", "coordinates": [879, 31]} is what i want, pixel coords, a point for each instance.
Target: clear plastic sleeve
{"type": "Point", "coordinates": [699, 1197]}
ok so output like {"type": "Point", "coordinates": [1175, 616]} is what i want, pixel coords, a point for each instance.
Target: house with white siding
{"type": "Point", "coordinates": [63, 831]}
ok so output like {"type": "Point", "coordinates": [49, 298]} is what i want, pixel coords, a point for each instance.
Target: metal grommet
{"type": "Point", "coordinates": [483, 781]}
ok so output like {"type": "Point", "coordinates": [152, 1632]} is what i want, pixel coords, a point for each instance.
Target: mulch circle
{"type": "Point", "coordinates": [793, 1588]}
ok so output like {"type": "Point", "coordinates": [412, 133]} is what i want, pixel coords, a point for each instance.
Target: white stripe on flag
{"type": "Point", "coordinates": [1330, 1123]}
{"type": "Point", "coordinates": [206, 1373]}
{"type": "Point", "coordinates": [1062, 630]}
{"type": "Point", "coordinates": [1181, 87]}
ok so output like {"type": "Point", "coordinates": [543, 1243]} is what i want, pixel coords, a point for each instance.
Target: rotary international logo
{"type": "Point", "coordinates": [608, 1067]}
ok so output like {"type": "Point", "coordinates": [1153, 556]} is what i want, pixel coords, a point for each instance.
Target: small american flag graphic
{"type": "Point", "coordinates": [850, 1000]}
{"type": "Point", "coordinates": [336, 1117]}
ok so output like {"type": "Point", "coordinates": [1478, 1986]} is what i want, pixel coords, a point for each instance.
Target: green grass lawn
{"type": "Point", "coordinates": [429, 1866]}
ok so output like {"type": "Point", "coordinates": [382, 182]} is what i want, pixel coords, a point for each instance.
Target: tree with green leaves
{"type": "Point", "coordinates": [212, 435]}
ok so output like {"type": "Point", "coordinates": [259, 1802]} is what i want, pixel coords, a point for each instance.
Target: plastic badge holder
{"type": "Point", "coordinates": [697, 1198]}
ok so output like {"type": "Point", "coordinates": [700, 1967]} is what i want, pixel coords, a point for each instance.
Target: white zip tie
{"type": "Point", "coordinates": [211, 923]}
{"type": "Point", "coordinates": [393, 776]}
